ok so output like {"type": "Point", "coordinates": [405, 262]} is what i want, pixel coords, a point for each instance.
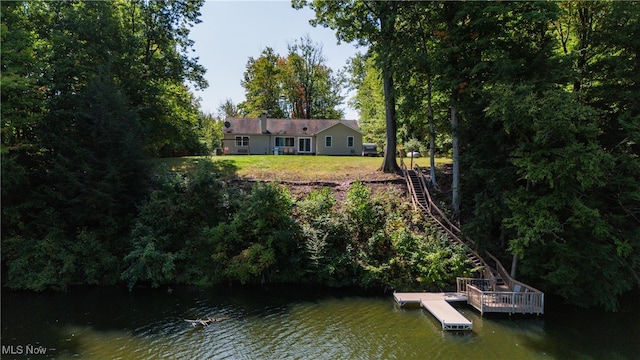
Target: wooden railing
{"type": "Point", "coordinates": [474, 297]}
{"type": "Point", "coordinates": [482, 284]}
{"type": "Point", "coordinates": [512, 283]}
{"type": "Point", "coordinates": [434, 208]}
{"type": "Point", "coordinates": [512, 302]}
{"type": "Point", "coordinates": [440, 218]}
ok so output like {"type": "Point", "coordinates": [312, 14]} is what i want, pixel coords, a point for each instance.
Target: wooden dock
{"type": "Point", "coordinates": [438, 305]}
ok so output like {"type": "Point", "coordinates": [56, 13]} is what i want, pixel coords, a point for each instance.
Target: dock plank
{"type": "Point", "coordinates": [438, 305]}
{"type": "Point", "coordinates": [448, 316]}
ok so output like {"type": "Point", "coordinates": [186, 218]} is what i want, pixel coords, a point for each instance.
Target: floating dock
{"type": "Point", "coordinates": [438, 305]}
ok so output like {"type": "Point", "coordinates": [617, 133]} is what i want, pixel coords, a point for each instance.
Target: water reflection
{"type": "Point", "coordinates": [277, 323]}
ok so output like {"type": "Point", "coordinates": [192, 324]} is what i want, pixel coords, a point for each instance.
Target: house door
{"type": "Point", "coordinates": [304, 145]}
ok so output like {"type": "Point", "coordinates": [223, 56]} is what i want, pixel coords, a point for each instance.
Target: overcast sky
{"type": "Point", "coordinates": [233, 31]}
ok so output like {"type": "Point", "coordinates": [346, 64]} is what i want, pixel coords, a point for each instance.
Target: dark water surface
{"type": "Point", "coordinates": [295, 323]}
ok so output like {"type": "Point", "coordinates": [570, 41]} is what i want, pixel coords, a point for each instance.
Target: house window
{"type": "Point", "coordinates": [350, 141]}
{"type": "Point", "coordinates": [242, 141]}
{"type": "Point", "coordinates": [327, 141]}
{"type": "Point", "coordinates": [284, 141]}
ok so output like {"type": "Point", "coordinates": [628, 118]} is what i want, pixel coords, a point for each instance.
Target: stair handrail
{"type": "Point", "coordinates": [486, 271]}
{"type": "Point", "coordinates": [506, 277]}
{"type": "Point", "coordinates": [433, 205]}
{"type": "Point", "coordinates": [411, 188]}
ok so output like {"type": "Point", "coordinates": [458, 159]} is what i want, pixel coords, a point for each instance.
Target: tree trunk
{"type": "Point", "coordinates": [514, 266]}
{"type": "Point", "coordinates": [455, 194]}
{"type": "Point", "coordinates": [432, 137]}
{"type": "Point", "coordinates": [387, 24]}
{"type": "Point", "coordinates": [389, 163]}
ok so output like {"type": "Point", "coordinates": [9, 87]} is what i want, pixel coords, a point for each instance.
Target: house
{"type": "Point", "coordinates": [291, 136]}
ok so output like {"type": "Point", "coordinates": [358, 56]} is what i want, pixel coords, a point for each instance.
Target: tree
{"type": "Point", "coordinates": [610, 81]}
{"type": "Point", "coordinates": [299, 85]}
{"type": "Point", "coordinates": [154, 69]}
{"type": "Point", "coordinates": [210, 131]}
{"type": "Point", "coordinates": [368, 23]}
{"type": "Point", "coordinates": [305, 60]}
{"type": "Point", "coordinates": [479, 44]}
{"type": "Point", "coordinates": [262, 86]}
{"type": "Point", "coordinates": [167, 241]}
{"type": "Point", "coordinates": [558, 223]}
{"type": "Point", "coordinates": [369, 98]}
{"type": "Point", "coordinates": [417, 25]}
{"type": "Point", "coordinates": [259, 242]}
{"type": "Point", "coordinates": [89, 88]}
{"type": "Point", "coordinates": [227, 109]}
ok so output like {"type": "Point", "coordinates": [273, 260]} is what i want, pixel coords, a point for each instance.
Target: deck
{"type": "Point", "coordinates": [438, 305]}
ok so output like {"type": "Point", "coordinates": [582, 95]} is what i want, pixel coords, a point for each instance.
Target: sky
{"type": "Point", "coordinates": [233, 31]}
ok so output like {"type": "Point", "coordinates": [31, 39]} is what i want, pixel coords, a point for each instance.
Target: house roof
{"type": "Point", "coordinates": [284, 126]}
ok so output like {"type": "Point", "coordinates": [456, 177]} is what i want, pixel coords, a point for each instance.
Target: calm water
{"type": "Point", "coordinates": [276, 323]}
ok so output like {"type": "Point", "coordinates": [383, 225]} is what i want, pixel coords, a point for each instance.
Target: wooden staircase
{"type": "Point", "coordinates": [422, 200]}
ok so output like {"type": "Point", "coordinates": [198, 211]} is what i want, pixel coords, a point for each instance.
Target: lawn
{"type": "Point", "coordinates": [297, 167]}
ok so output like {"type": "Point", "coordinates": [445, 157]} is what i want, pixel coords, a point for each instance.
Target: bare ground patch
{"type": "Point", "coordinates": [376, 181]}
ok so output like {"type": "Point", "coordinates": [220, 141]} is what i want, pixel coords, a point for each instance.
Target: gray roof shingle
{"type": "Point", "coordinates": [294, 127]}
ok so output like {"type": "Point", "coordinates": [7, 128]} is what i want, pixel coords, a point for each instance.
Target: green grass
{"type": "Point", "coordinates": [296, 167]}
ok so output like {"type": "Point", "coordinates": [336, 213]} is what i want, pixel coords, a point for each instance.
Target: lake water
{"type": "Point", "coordinates": [295, 323]}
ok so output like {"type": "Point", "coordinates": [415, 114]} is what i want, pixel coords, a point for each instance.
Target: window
{"type": "Point", "coordinates": [242, 141]}
{"type": "Point", "coordinates": [327, 141]}
{"type": "Point", "coordinates": [350, 141]}
{"type": "Point", "coordinates": [284, 141]}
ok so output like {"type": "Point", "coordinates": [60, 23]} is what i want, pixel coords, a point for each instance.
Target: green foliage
{"type": "Point", "coordinates": [557, 215]}
{"type": "Point", "coordinates": [88, 87]}
{"type": "Point", "coordinates": [331, 251]}
{"type": "Point", "coordinates": [167, 241]}
{"type": "Point", "coordinates": [21, 99]}
{"type": "Point", "coordinates": [369, 99]}
{"type": "Point", "coordinates": [360, 214]}
{"type": "Point", "coordinates": [299, 85]}
{"type": "Point", "coordinates": [401, 258]}
{"type": "Point", "coordinates": [375, 241]}
{"type": "Point", "coordinates": [209, 131]}
{"type": "Point", "coordinates": [317, 204]}
{"type": "Point", "coordinates": [260, 240]}
{"type": "Point", "coordinates": [39, 264]}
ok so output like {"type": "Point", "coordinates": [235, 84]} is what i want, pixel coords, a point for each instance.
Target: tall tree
{"type": "Point", "coordinates": [366, 80]}
{"type": "Point", "coordinates": [305, 60]}
{"type": "Point", "coordinates": [479, 44]}
{"type": "Point", "coordinates": [154, 69]}
{"type": "Point", "coordinates": [418, 25]}
{"type": "Point", "coordinates": [368, 23]}
{"type": "Point", "coordinates": [262, 86]}
{"type": "Point", "coordinates": [557, 223]}
{"type": "Point", "coordinates": [610, 83]}
{"type": "Point", "coordinates": [299, 85]}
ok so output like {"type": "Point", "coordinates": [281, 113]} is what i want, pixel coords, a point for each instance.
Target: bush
{"type": "Point", "coordinates": [167, 241]}
{"type": "Point", "coordinates": [260, 242]}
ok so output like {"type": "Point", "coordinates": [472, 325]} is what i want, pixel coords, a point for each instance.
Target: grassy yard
{"type": "Point", "coordinates": [297, 167]}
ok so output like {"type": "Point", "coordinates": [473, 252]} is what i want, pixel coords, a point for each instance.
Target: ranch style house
{"type": "Point", "coordinates": [259, 136]}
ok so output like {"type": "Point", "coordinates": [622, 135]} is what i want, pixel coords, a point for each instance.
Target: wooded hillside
{"type": "Point", "coordinates": [536, 102]}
